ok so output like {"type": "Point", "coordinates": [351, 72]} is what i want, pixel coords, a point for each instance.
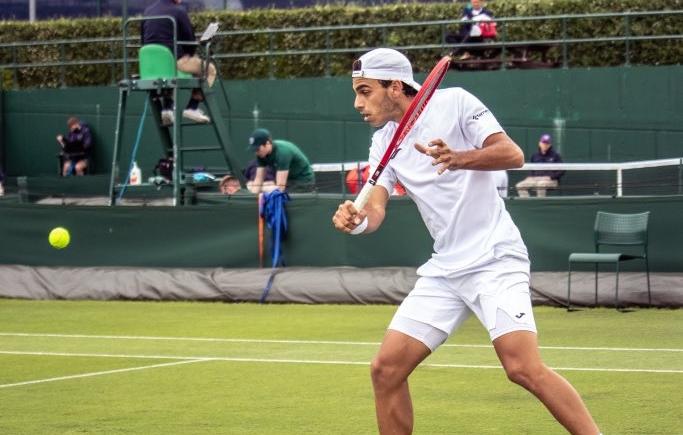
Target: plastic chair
{"type": "Point", "coordinates": [158, 62]}
{"type": "Point", "coordinates": [614, 229]}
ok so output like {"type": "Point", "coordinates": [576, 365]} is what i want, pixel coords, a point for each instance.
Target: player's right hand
{"type": "Point", "coordinates": [346, 218]}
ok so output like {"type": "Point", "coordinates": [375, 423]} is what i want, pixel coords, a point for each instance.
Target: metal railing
{"type": "Point", "coordinates": [272, 49]}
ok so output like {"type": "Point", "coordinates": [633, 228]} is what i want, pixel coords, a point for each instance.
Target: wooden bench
{"type": "Point", "coordinates": [527, 56]}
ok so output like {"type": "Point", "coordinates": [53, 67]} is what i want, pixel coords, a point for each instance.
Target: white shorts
{"type": "Point", "coordinates": [498, 294]}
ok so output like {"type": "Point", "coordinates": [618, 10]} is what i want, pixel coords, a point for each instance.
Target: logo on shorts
{"type": "Point", "coordinates": [520, 315]}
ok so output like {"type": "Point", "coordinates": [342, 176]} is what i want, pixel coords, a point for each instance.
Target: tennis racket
{"type": "Point", "coordinates": [407, 122]}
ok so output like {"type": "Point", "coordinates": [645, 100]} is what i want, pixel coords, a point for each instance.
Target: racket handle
{"type": "Point", "coordinates": [363, 197]}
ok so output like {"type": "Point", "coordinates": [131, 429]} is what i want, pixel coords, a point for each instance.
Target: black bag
{"type": "Point", "coordinates": [164, 168]}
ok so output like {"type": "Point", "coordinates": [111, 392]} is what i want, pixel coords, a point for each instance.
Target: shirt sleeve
{"type": "Point", "coordinates": [380, 141]}
{"type": "Point", "coordinates": [87, 138]}
{"type": "Point", "coordinates": [476, 120]}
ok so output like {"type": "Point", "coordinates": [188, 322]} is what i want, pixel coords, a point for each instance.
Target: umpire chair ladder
{"type": "Point", "coordinates": [163, 78]}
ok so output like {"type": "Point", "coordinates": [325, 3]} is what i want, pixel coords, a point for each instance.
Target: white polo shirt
{"type": "Point", "coordinates": [461, 209]}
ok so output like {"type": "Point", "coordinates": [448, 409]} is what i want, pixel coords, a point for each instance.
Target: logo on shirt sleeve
{"type": "Point", "coordinates": [476, 116]}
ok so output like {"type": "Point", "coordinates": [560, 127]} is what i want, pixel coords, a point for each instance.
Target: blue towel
{"type": "Point", "coordinates": [275, 214]}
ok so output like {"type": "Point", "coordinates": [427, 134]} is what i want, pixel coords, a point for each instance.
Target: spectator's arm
{"type": "Point", "coordinates": [281, 179]}
{"type": "Point", "coordinates": [257, 184]}
{"type": "Point", "coordinates": [87, 139]}
{"type": "Point", "coordinates": [556, 175]}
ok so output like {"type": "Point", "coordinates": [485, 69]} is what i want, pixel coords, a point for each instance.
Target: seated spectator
{"type": "Point", "coordinates": [293, 171]}
{"type": "Point", "coordinates": [541, 180]}
{"type": "Point", "coordinates": [160, 31]}
{"type": "Point", "coordinates": [229, 185]}
{"type": "Point", "coordinates": [484, 28]}
{"type": "Point", "coordinates": [354, 183]}
{"type": "Point", "coordinates": [76, 147]}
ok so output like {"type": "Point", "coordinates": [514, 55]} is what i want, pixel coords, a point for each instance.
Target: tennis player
{"type": "Point", "coordinates": [480, 264]}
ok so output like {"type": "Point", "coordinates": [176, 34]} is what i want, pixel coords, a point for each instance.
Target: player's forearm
{"type": "Point", "coordinates": [502, 155]}
{"type": "Point", "coordinates": [375, 218]}
{"type": "Point", "coordinates": [376, 208]}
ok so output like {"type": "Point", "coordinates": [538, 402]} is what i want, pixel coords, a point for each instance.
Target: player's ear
{"type": "Point", "coordinates": [396, 88]}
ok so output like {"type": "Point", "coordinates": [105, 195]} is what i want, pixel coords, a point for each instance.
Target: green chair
{"type": "Point", "coordinates": [158, 62]}
{"type": "Point", "coordinates": [612, 229]}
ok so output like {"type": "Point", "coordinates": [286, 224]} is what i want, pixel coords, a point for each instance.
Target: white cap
{"type": "Point", "coordinates": [385, 64]}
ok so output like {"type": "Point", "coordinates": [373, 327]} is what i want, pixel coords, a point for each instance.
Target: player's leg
{"type": "Point", "coordinates": [518, 352]}
{"type": "Point", "coordinates": [507, 313]}
{"type": "Point", "coordinates": [398, 356]}
{"type": "Point", "coordinates": [421, 324]}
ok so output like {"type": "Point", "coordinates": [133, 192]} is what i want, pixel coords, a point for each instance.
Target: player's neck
{"type": "Point", "coordinates": [402, 106]}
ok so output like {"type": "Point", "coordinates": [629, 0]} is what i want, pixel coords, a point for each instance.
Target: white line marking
{"type": "Point", "coordinates": [343, 343]}
{"type": "Point", "coordinates": [192, 358]}
{"type": "Point", "coordinates": [106, 372]}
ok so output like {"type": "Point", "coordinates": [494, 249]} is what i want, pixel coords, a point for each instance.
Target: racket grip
{"type": "Point", "coordinates": [363, 197]}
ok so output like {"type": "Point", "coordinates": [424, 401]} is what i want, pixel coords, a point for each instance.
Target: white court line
{"type": "Point", "coordinates": [310, 361]}
{"type": "Point", "coordinates": [106, 372]}
{"type": "Point", "coordinates": [341, 343]}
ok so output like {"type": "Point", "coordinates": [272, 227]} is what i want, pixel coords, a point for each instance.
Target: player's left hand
{"type": "Point", "coordinates": [442, 155]}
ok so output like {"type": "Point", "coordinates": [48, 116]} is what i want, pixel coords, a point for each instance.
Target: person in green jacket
{"type": "Point", "coordinates": [293, 171]}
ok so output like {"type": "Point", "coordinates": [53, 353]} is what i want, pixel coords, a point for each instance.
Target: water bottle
{"type": "Point", "coordinates": [135, 175]}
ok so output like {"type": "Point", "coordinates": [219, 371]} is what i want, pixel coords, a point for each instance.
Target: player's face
{"type": "Point", "coordinates": [376, 104]}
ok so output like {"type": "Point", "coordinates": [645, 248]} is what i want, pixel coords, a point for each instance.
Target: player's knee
{"type": "Point", "coordinates": [383, 373]}
{"type": "Point", "coordinates": [525, 375]}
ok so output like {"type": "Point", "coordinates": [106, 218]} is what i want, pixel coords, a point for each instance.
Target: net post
{"type": "Point", "coordinates": [619, 180]}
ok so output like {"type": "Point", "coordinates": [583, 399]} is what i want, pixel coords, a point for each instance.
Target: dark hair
{"type": "Point", "coordinates": [408, 90]}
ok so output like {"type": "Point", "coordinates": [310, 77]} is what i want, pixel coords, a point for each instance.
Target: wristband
{"type": "Point", "coordinates": [360, 228]}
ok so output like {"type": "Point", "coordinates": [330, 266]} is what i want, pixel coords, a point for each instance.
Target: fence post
{"type": "Point", "coordinates": [327, 52]}
{"type": "Point", "coordinates": [627, 33]}
{"type": "Point", "coordinates": [564, 43]}
{"type": "Point", "coordinates": [15, 78]}
{"type": "Point", "coordinates": [113, 63]}
{"type": "Point", "coordinates": [271, 61]}
{"type": "Point", "coordinates": [504, 38]}
{"type": "Point", "coordinates": [62, 59]}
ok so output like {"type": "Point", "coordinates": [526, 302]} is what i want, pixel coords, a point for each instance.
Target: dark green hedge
{"type": "Point", "coordinates": [587, 54]}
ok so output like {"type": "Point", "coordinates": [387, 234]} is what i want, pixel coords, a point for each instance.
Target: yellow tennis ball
{"type": "Point", "coordinates": [59, 238]}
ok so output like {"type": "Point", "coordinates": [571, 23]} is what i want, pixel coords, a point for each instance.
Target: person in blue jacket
{"type": "Point", "coordinates": [542, 180]}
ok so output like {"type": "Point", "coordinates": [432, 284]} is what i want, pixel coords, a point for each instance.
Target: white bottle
{"type": "Point", "coordinates": [135, 175]}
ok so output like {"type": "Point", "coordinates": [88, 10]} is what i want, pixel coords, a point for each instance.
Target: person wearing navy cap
{"type": "Point", "coordinates": [542, 180]}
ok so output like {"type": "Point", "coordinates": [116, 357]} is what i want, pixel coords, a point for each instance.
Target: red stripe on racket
{"type": "Point", "coordinates": [407, 122]}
